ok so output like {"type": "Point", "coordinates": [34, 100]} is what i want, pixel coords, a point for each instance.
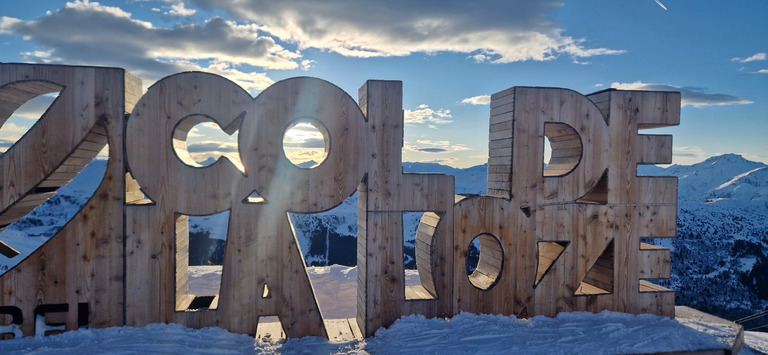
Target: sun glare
{"type": "Point", "coordinates": [305, 143]}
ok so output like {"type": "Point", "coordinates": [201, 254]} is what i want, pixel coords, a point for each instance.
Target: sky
{"type": "Point", "coordinates": [450, 56]}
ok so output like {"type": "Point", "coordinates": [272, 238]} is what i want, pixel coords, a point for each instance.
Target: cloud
{"type": "Point", "coordinates": [687, 155]}
{"type": "Point", "coordinates": [13, 132]}
{"type": "Point", "coordinates": [755, 57]}
{"type": "Point", "coordinates": [317, 143]}
{"type": "Point", "coordinates": [5, 144]}
{"type": "Point", "coordinates": [178, 9]}
{"type": "Point", "coordinates": [424, 114]}
{"type": "Point", "coordinates": [304, 136]}
{"type": "Point", "coordinates": [755, 157]}
{"type": "Point", "coordinates": [499, 32]}
{"type": "Point", "coordinates": [307, 64]}
{"type": "Point", "coordinates": [477, 100]}
{"type": "Point", "coordinates": [89, 33]}
{"type": "Point", "coordinates": [429, 146]}
{"type": "Point", "coordinates": [211, 147]}
{"type": "Point", "coordinates": [430, 150]}
{"type": "Point", "coordinates": [761, 71]}
{"type": "Point", "coordinates": [690, 96]}
{"type": "Point", "coordinates": [444, 161]}
{"type": "Point", "coordinates": [35, 108]}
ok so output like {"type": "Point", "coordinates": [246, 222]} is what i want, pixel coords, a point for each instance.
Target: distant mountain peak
{"type": "Point", "coordinates": [731, 158]}
{"type": "Point", "coordinates": [307, 164]}
{"type": "Point", "coordinates": [208, 161]}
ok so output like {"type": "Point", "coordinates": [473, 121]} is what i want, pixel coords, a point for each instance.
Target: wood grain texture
{"type": "Point", "coordinates": [584, 215]}
{"type": "Point", "coordinates": [571, 236]}
{"type": "Point", "coordinates": [382, 199]}
{"type": "Point", "coordinates": [83, 262]}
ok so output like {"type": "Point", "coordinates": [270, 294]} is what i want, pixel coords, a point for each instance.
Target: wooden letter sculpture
{"type": "Point", "coordinates": [75, 278]}
{"type": "Point", "coordinates": [568, 236]}
{"type": "Point", "coordinates": [565, 237]}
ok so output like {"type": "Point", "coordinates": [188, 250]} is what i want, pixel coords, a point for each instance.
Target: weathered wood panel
{"type": "Point", "coordinates": [568, 236]}
{"type": "Point", "coordinates": [81, 266]}
{"type": "Point", "coordinates": [261, 249]}
{"type": "Point", "coordinates": [383, 198]}
{"type": "Point", "coordinates": [587, 210]}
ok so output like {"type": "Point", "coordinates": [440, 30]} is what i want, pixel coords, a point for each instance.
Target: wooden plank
{"type": "Point", "coordinates": [646, 286]}
{"type": "Point", "coordinates": [501, 126]}
{"type": "Point", "coordinates": [502, 143]}
{"type": "Point", "coordinates": [506, 161]}
{"type": "Point", "coordinates": [339, 330]}
{"type": "Point", "coordinates": [655, 149]}
{"type": "Point", "coordinates": [502, 134]}
{"type": "Point", "coordinates": [500, 116]}
{"type": "Point", "coordinates": [501, 152]}
{"type": "Point", "coordinates": [654, 262]}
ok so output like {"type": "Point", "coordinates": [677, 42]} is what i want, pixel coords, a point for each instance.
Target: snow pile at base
{"type": "Point", "coordinates": [572, 333]}
{"type": "Point", "coordinates": [154, 338]}
{"type": "Point", "coordinates": [568, 333]}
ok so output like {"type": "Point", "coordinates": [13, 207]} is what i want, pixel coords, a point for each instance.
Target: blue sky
{"type": "Point", "coordinates": [450, 56]}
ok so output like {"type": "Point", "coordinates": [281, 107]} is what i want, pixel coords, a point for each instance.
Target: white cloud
{"type": "Point", "coordinates": [755, 157]}
{"type": "Point", "coordinates": [307, 64]}
{"type": "Point", "coordinates": [430, 146]}
{"type": "Point", "coordinates": [424, 114]}
{"type": "Point", "coordinates": [687, 155]}
{"type": "Point", "coordinates": [690, 96]}
{"type": "Point", "coordinates": [178, 9]}
{"type": "Point", "coordinates": [477, 100]}
{"type": "Point", "coordinates": [761, 71]}
{"type": "Point", "coordinates": [502, 32]}
{"type": "Point", "coordinates": [39, 54]}
{"type": "Point", "coordinates": [89, 33]}
{"type": "Point", "coordinates": [755, 57]}
{"type": "Point", "coordinates": [253, 82]}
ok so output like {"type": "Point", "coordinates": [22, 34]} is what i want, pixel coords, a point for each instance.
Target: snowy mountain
{"type": "Point", "coordinates": [720, 255]}
{"type": "Point", "coordinates": [719, 259]}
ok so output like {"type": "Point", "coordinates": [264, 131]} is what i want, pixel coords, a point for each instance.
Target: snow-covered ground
{"type": "Point", "coordinates": [568, 333]}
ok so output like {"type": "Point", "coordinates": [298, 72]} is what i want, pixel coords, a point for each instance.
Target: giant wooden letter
{"type": "Point", "coordinates": [261, 250]}
{"type": "Point", "coordinates": [382, 199]}
{"type": "Point", "coordinates": [570, 234]}
{"type": "Point", "coordinates": [565, 237]}
{"type": "Point", "coordinates": [81, 267]}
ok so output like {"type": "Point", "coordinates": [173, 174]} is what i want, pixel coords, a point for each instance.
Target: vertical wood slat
{"type": "Point", "coordinates": [383, 276]}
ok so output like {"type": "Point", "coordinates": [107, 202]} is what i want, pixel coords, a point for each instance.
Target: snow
{"type": "Point", "coordinates": [757, 341]}
{"type": "Point", "coordinates": [568, 333]}
{"type": "Point", "coordinates": [335, 286]}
